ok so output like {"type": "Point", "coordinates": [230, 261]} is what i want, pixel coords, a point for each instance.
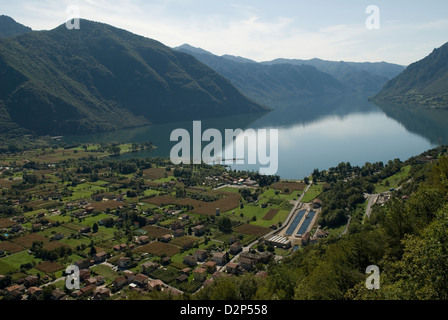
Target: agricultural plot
{"type": "Point", "coordinates": [105, 271]}
{"type": "Point", "coordinates": [49, 267]}
{"type": "Point", "coordinates": [53, 245]}
{"type": "Point", "coordinates": [185, 241]}
{"type": "Point", "coordinates": [291, 186]}
{"type": "Point", "coordinates": [6, 223]}
{"type": "Point", "coordinates": [161, 200]}
{"type": "Point", "coordinates": [10, 247]}
{"type": "Point", "coordinates": [156, 232]}
{"type": "Point", "coordinates": [252, 230]}
{"type": "Point", "coordinates": [104, 205]}
{"type": "Point", "coordinates": [167, 275]}
{"type": "Point", "coordinates": [14, 261]}
{"type": "Point", "coordinates": [158, 249]}
{"type": "Point", "coordinates": [271, 214]}
{"type": "Point", "coordinates": [27, 240]}
{"type": "Point", "coordinates": [156, 173]}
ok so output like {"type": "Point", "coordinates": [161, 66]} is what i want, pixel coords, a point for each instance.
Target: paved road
{"type": "Point", "coordinates": [372, 199]}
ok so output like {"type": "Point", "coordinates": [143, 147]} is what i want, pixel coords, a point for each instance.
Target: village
{"type": "Point", "coordinates": [137, 228]}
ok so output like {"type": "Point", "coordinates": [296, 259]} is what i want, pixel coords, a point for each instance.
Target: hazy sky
{"type": "Point", "coordinates": [263, 30]}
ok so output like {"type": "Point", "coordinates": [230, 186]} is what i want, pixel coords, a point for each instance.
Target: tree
{"type": "Point", "coordinates": [95, 228]}
{"type": "Point", "coordinates": [225, 225]}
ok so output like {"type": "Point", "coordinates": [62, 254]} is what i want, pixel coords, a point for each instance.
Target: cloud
{"type": "Point", "coordinates": [261, 30]}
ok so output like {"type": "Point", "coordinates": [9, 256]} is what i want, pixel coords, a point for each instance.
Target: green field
{"type": "Point", "coordinates": [14, 261]}
{"type": "Point", "coordinates": [313, 192]}
{"type": "Point", "coordinates": [106, 272]}
{"type": "Point", "coordinates": [393, 181]}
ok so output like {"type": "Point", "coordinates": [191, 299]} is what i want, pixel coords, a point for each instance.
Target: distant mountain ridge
{"type": "Point", "coordinates": [424, 83]}
{"type": "Point", "coordinates": [287, 78]}
{"type": "Point", "coordinates": [9, 27]}
{"type": "Point", "coordinates": [267, 83]}
{"type": "Point", "coordinates": [101, 78]}
{"type": "Point", "coordinates": [362, 77]}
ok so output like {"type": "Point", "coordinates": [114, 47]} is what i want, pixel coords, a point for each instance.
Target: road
{"type": "Point", "coordinates": [372, 199]}
{"type": "Point", "coordinates": [268, 235]}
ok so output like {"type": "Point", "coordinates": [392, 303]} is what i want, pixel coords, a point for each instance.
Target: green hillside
{"type": "Point", "coordinates": [424, 83]}
{"type": "Point", "coordinates": [9, 27]}
{"type": "Point", "coordinates": [101, 78]}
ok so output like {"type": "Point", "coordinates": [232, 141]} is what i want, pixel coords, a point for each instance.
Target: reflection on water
{"type": "Point", "coordinates": [317, 133]}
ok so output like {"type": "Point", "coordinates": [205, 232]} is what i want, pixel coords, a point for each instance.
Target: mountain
{"type": "Point", "coordinates": [365, 77]}
{"type": "Point", "coordinates": [424, 83]}
{"type": "Point", "coordinates": [101, 78]}
{"type": "Point", "coordinates": [269, 83]}
{"type": "Point", "coordinates": [9, 27]}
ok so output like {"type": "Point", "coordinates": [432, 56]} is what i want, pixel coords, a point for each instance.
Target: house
{"type": "Point", "coordinates": [200, 255]}
{"type": "Point", "coordinates": [317, 203]}
{"type": "Point", "coordinates": [200, 274]}
{"type": "Point", "coordinates": [220, 258]}
{"type": "Point", "coordinates": [85, 230]}
{"type": "Point", "coordinates": [120, 282]}
{"type": "Point", "coordinates": [178, 233]}
{"type": "Point", "coordinates": [101, 293]}
{"type": "Point", "coordinates": [190, 261]}
{"type": "Point", "coordinates": [185, 271]}
{"type": "Point", "coordinates": [210, 266]}
{"type": "Point", "coordinates": [124, 262]}
{"type": "Point", "coordinates": [155, 285]}
{"type": "Point", "coordinates": [166, 238]}
{"type": "Point", "coordinates": [143, 240]}
{"type": "Point", "coordinates": [198, 230]}
{"type": "Point", "coordinates": [90, 281]}
{"type": "Point", "coordinates": [117, 247]}
{"type": "Point", "coordinates": [141, 280]}
{"type": "Point", "coordinates": [265, 257]}
{"type": "Point", "coordinates": [36, 227]}
{"type": "Point", "coordinates": [100, 280]}
{"type": "Point", "coordinates": [84, 274]}
{"type": "Point", "coordinates": [15, 290]}
{"type": "Point", "coordinates": [185, 217]}
{"type": "Point", "coordinates": [246, 263]}
{"type": "Point", "coordinates": [149, 266]}
{"type": "Point", "coordinates": [100, 257]}
{"type": "Point", "coordinates": [262, 274]}
{"type": "Point", "coordinates": [182, 278]}
{"type": "Point", "coordinates": [306, 238]}
{"type": "Point", "coordinates": [35, 291]}
{"type": "Point", "coordinates": [77, 294]}
{"type": "Point", "coordinates": [58, 236]}
{"type": "Point", "coordinates": [166, 261]}
{"type": "Point", "coordinates": [235, 248]}
{"type": "Point", "coordinates": [88, 290]}
{"type": "Point", "coordinates": [57, 294]}
{"type": "Point", "coordinates": [31, 281]}
{"type": "Point", "coordinates": [83, 264]}
{"type": "Point", "coordinates": [233, 268]}
{"type": "Point", "coordinates": [129, 275]}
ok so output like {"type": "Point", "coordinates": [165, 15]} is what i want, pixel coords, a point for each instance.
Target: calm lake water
{"type": "Point", "coordinates": [317, 133]}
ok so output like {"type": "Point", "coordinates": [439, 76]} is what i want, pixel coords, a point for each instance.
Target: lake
{"type": "Point", "coordinates": [316, 133]}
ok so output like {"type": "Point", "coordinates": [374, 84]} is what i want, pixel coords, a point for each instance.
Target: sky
{"type": "Point", "coordinates": [397, 31]}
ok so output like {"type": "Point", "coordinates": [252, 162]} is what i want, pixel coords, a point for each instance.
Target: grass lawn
{"type": "Point", "coordinates": [393, 181]}
{"type": "Point", "coordinates": [105, 271]}
{"type": "Point", "coordinates": [230, 189]}
{"type": "Point", "coordinates": [14, 261]}
{"type": "Point", "coordinates": [313, 192]}
{"type": "Point", "coordinates": [60, 218]}
{"type": "Point", "coordinates": [279, 217]}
